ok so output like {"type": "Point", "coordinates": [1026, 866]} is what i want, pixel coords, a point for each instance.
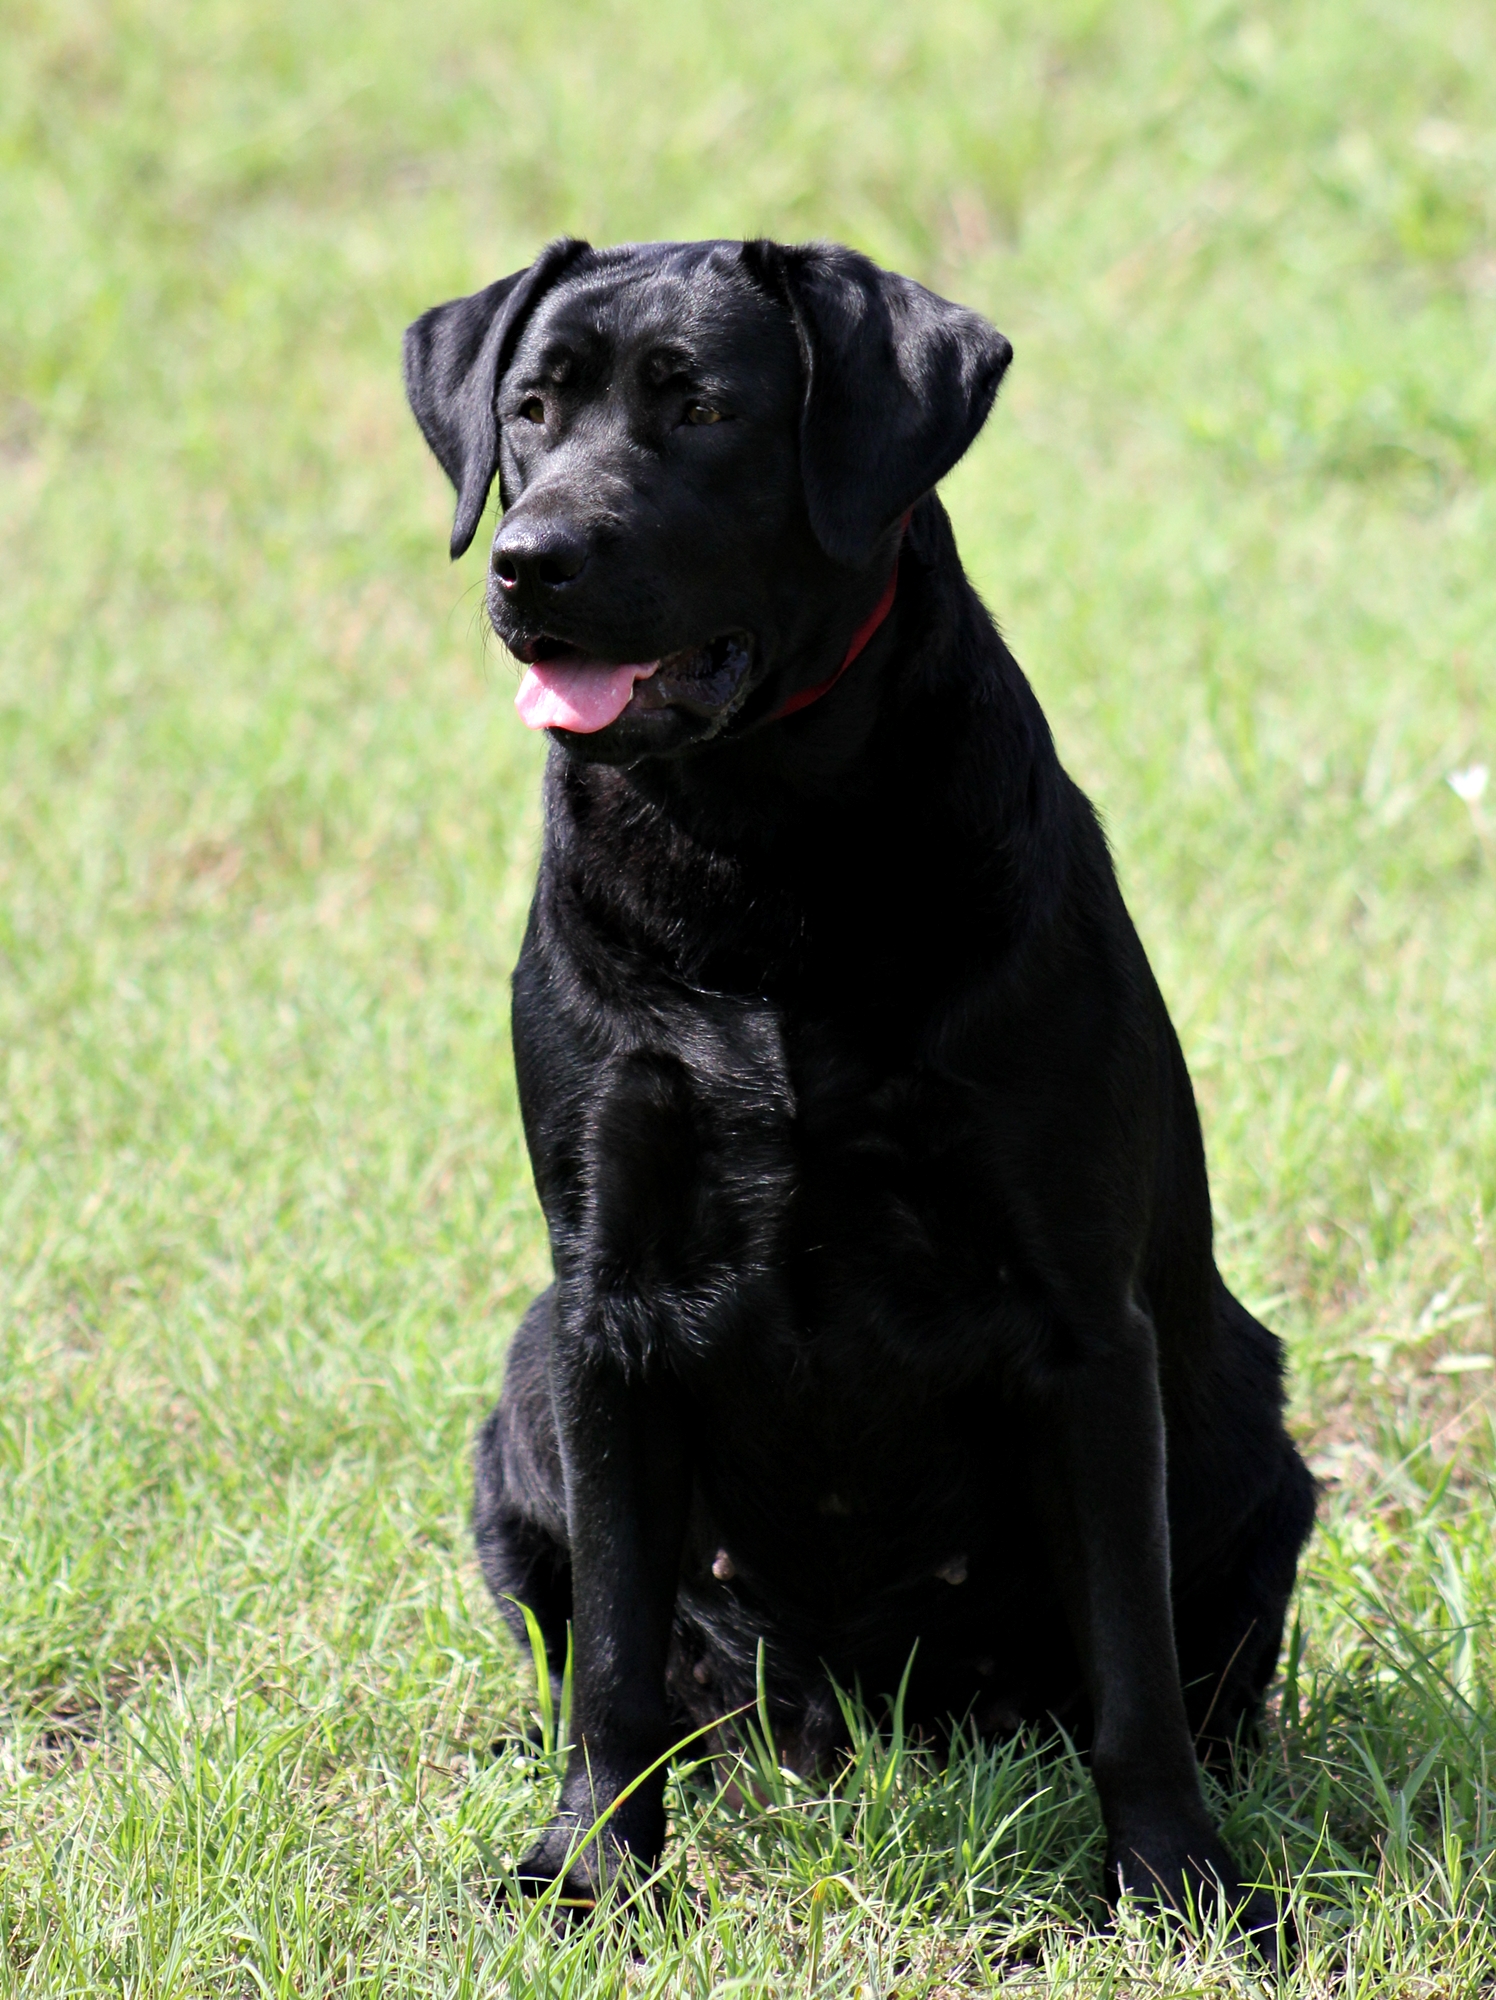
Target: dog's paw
{"type": "Point", "coordinates": [1194, 1875]}
{"type": "Point", "coordinates": [580, 1861]}
{"type": "Point", "coordinates": [567, 1860]}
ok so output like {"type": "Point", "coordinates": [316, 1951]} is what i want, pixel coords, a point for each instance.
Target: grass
{"type": "Point", "coordinates": [267, 829]}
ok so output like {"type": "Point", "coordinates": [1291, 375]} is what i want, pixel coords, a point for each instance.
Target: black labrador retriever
{"type": "Point", "coordinates": [885, 1319]}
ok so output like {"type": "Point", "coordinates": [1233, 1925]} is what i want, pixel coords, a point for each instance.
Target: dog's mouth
{"type": "Point", "coordinates": [571, 690]}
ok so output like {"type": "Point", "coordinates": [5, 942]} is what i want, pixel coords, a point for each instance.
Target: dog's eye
{"type": "Point", "coordinates": [702, 413]}
{"type": "Point", "coordinates": [532, 410]}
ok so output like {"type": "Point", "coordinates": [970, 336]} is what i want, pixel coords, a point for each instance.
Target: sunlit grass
{"type": "Point", "coordinates": [267, 830]}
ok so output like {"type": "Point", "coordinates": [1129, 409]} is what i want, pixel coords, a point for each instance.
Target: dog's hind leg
{"type": "Point", "coordinates": [1228, 1623]}
{"type": "Point", "coordinates": [519, 1501]}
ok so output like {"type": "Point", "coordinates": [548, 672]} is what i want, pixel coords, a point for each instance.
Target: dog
{"type": "Point", "coordinates": [885, 1331]}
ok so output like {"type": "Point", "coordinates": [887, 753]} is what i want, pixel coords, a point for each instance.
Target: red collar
{"type": "Point", "coordinates": [860, 639]}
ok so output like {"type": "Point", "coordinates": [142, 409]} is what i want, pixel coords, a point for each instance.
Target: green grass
{"type": "Point", "coordinates": [267, 829]}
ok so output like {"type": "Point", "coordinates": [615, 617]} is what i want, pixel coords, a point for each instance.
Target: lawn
{"type": "Point", "coordinates": [267, 830]}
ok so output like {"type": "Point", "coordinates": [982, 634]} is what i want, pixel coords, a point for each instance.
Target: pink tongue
{"type": "Point", "coordinates": [577, 694]}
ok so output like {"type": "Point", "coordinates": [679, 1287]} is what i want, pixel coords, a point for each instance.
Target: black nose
{"type": "Point", "coordinates": [537, 557]}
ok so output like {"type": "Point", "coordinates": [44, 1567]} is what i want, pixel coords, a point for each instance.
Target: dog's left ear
{"type": "Point", "coordinates": [897, 384]}
{"type": "Point", "coordinates": [455, 356]}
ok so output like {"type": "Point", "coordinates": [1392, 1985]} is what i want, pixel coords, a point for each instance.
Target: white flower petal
{"type": "Point", "coordinates": [1469, 784]}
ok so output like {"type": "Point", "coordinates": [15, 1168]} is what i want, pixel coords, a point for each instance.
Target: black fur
{"type": "Point", "coordinates": [454, 355]}
{"type": "Point", "coordinates": [885, 1309]}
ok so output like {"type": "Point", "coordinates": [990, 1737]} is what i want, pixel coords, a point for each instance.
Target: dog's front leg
{"type": "Point", "coordinates": [627, 1486]}
{"type": "Point", "coordinates": [1101, 1460]}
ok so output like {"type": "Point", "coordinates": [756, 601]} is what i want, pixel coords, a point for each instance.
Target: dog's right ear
{"type": "Point", "coordinates": [455, 356]}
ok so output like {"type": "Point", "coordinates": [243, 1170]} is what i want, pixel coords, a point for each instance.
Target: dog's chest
{"type": "Point", "coordinates": [765, 1161]}
{"type": "Point", "coordinates": [900, 1229]}
{"type": "Point", "coordinates": [759, 1188]}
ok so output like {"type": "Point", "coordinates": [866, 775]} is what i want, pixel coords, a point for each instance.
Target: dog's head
{"type": "Point", "coordinates": [704, 453]}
